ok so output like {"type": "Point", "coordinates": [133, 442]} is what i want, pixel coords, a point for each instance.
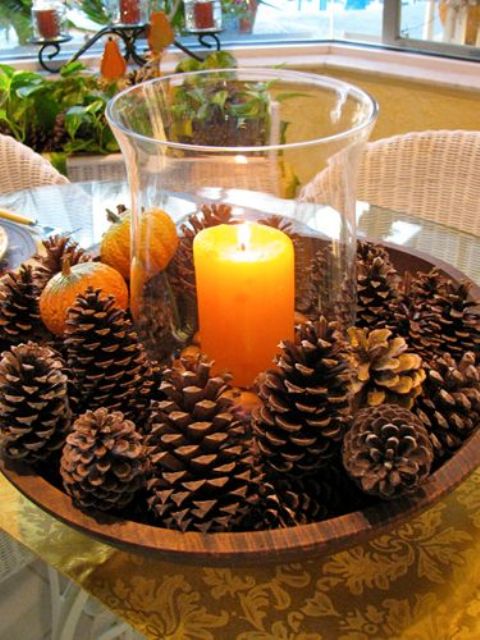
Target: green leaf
{"type": "Point", "coordinates": [71, 69]}
{"type": "Point", "coordinates": [59, 161]}
{"type": "Point", "coordinates": [292, 94]}
{"type": "Point", "coordinates": [220, 98]}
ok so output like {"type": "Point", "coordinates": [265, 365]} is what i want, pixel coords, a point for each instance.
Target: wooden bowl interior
{"type": "Point", "coordinates": [280, 545]}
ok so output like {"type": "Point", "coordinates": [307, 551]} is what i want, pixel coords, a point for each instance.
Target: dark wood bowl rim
{"type": "Point", "coordinates": [279, 545]}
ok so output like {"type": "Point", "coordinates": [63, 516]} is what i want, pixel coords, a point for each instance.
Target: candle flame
{"type": "Point", "coordinates": [244, 235]}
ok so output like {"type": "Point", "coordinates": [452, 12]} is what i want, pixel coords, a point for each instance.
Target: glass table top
{"type": "Point", "coordinates": [79, 209]}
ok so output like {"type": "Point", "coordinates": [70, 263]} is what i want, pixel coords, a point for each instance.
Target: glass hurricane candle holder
{"type": "Point", "coordinates": [48, 19]}
{"type": "Point", "coordinates": [243, 196]}
{"type": "Point", "coordinates": [129, 11]}
{"type": "Point", "coordinates": [203, 15]}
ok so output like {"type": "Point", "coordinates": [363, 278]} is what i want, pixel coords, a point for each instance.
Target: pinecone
{"type": "Point", "coordinates": [377, 286]}
{"type": "Point", "coordinates": [19, 313]}
{"type": "Point", "coordinates": [306, 408]}
{"type": "Point", "coordinates": [449, 322]}
{"type": "Point", "coordinates": [56, 249]}
{"type": "Point", "coordinates": [387, 452]}
{"type": "Point", "coordinates": [303, 495]}
{"type": "Point", "coordinates": [383, 368]}
{"type": "Point", "coordinates": [449, 407]}
{"type": "Point", "coordinates": [104, 461]}
{"type": "Point", "coordinates": [269, 510]}
{"type": "Point", "coordinates": [34, 408]}
{"type": "Point", "coordinates": [108, 364]}
{"type": "Point", "coordinates": [180, 270]}
{"type": "Point", "coordinates": [37, 138]}
{"type": "Point", "coordinates": [156, 318]}
{"type": "Point", "coordinates": [148, 71]}
{"type": "Point", "coordinates": [424, 286]}
{"type": "Point", "coordinates": [202, 468]}
{"type": "Point", "coordinates": [59, 133]}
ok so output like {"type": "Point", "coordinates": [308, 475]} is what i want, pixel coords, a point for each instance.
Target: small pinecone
{"type": "Point", "coordinates": [156, 319]}
{"type": "Point", "coordinates": [377, 286]}
{"type": "Point", "coordinates": [449, 323]}
{"type": "Point", "coordinates": [449, 407]}
{"type": "Point", "coordinates": [180, 270]}
{"type": "Point", "coordinates": [148, 71]}
{"type": "Point", "coordinates": [424, 286]}
{"type": "Point", "coordinates": [108, 364]}
{"type": "Point", "coordinates": [316, 276]}
{"type": "Point", "coordinates": [34, 408]}
{"type": "Point", "coordinates": [19, 312]}
{"type": "Point", "coordinates": [303, 495]}
{"type": "Point", "coordinates": [269, 510]}
{"type": "Point", "coordinates": [104, 462]}
{"type": "Point", "coordinates": [383, 368]}
{"type": "Point", "coordinates": [202, 475]}
{"type": "Point", "coordinates": [387, 452]}
{"type": "Point", "coordinates": [37, 138]}
{"type": "Point", "coordinates": [306, 403]}
{"type": "Point", "coordinates": [58, 136]}
{"type": "Point", "coordinates": [57, 248]}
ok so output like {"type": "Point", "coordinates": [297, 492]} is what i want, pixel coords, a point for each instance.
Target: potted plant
{"type": "Point", "coordinates": [60, 117]}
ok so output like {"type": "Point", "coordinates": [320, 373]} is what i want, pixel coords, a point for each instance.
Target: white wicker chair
{"type": "Point", "coordinates": [434, 175]}
{"type": "Point", "coordinates": [22, 168]}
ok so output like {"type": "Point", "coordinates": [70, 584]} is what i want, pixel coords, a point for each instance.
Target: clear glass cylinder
{"type": "Point", "coordinates": [243, 198]}
{"type": "Point", "coordinates": [48, 19]}
{"type": "Point", "coordinates": [202, 16]}
{"type": "Point", "coordinates": [129, 12]}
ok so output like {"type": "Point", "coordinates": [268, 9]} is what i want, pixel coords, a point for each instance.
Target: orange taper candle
{"type": "Point", "coordinates": [245, 292]}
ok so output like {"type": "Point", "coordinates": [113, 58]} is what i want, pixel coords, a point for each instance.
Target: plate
{"type": "Point", "coordinates": [20, 244]}
{"type": "Point", "coordinates": [3, 242]}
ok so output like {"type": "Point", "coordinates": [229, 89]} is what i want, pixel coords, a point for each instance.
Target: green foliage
{"type": "Point", "coordinates": [32, 107]}
{"type": "Point", "coordinates": [96, 11]}
{"type": "Point", "coordinates": [17, 14]}
{"type": "Point", "coordinates": [222, 102]}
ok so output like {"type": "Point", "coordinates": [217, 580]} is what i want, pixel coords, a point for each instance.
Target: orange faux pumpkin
{"type": "Point", "coordinates": [158, 242]}
{"type": "Point", "coordinates": [61, 290]}
{"type": "Point", "coordinates": [113, 65]}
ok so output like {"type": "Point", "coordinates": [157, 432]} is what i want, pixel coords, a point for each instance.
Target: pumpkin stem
{"type": "Point", "coordinates": [116, 217]}
{"type": "Point", "coordinates": [66, 266]}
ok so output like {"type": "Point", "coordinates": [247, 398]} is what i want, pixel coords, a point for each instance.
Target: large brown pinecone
{"type": "Point", "coordinates": [377, 286]}
{"type": "Point", "coordinates": [387, 452]}
{"type": "Point", "coordinates": [104, 461]}
{"type": "Point", "coordinates": [50, 261]}
{"type": "Point", "coordinates": [306, 403]}
{"type": "Point", "coordinates": [180, 270]}
{"type": "Point", "coordinates": [449, 322]}
{"type": "Point", "coordinates": [202, 476]}
{"type": "Point", "coordinates": [19, 312]}
{"type": "Point", "coordinates": [384, 371]}
{"type": "Point", "coordinates": [449, 407]}
{"type": "Point", "coordinates": [436, 315]}
{"type": "Point", "coordinates": [108, 364]}
{"type": "Point", "coordinates": [34, 407]}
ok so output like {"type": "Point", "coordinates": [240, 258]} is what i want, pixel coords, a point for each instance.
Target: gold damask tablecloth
{"type": "Point", "coordinates": [419, 582]}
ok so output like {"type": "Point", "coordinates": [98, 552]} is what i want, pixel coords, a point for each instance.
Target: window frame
{"type": "Point", "coordinates": [391, 36]}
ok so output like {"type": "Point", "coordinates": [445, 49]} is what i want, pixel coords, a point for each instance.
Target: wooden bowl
{"type": "Point", "coordinates": [280, 545]}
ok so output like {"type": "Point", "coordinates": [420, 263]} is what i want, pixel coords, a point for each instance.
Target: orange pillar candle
{"type": "Point", "coordinates": [245, 293]}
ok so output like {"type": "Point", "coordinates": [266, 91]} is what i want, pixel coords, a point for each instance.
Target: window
{"type": "Point", "coordinates": [450, 27]}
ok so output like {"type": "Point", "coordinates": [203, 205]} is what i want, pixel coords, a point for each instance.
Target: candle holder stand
{"type": "Point", "coordinates": [45, 51]}
{"type": "Point", "coordinates": [128, 33]}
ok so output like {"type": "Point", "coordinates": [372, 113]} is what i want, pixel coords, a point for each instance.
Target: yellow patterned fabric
{"type": "Point", "coordinates": [419, 582]}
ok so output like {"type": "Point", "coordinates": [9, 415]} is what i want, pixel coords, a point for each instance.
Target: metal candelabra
{"type": "Point", "coordinates": [50, 48]}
